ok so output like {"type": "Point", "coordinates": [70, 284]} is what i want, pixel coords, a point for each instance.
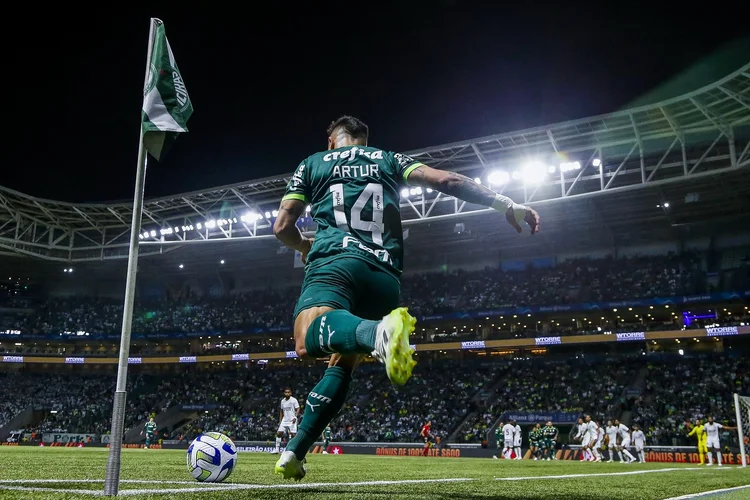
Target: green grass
{"type": "Point", "coordinates": [34, 464]}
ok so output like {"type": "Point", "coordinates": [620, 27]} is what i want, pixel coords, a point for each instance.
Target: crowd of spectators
{"type": "Point", "coordinates": [463, 399]}
{"type": "Point", "coordinates": [572, 281]}
{"type": "Point", "coordinates": [72, 403]}
{"type": "Point", "coordinates": [695, 388]}
{"type": "Point", "coordinates": [570, 386]}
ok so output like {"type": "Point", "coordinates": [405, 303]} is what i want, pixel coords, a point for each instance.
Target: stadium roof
{"type": "Point", "coordinates": [594, 179]}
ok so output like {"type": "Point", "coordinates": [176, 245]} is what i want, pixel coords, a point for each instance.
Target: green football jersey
{"type": "Point", "coordinates": [354, 193]}
{"type": "Point", "coordinates": [150, 428]}
{"type": "Point", "coordinates": [327, 434]}
{"type": "Point", "coordinates": [499, 434]}
{"type": "Point", "coordinates": [549, 431]}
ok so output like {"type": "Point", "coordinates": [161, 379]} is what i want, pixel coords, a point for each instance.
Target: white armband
{"type": "Point", "coordinates": [503, 203]}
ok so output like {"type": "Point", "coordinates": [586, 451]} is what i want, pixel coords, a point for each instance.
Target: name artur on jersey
{"type": "Point", "coordinates": [356, 171]}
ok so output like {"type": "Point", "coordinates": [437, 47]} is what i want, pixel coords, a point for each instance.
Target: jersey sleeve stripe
{"type": "Point", "coordinates": [410, 169]}
{"type": "Point", "coordinates": [295, 196]}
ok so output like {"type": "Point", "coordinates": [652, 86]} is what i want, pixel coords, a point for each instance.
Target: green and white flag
{"type": "Point", "coordinates": [166, 103]}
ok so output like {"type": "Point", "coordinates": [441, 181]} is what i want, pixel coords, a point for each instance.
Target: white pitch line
{"type": "Point", "coordinates": [122, 481]}
{"type": "Point", "coordinates": [709, 493]}
{"type": "Point", "coordinates": [572, 476]}
{"type": "Point", "coordinates": [224, 486]}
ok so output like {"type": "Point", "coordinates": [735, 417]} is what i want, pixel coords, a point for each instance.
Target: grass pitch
{"type": "Point", "coordinates": [67, 473]}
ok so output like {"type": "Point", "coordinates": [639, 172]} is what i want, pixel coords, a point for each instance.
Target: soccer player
{"type": "Point", "coordinates": [535, 436]}
{"type": "Point", "coordinates": [624, 447]}
{"type": "Point", "coordinates": [150, 429]}
{"type": "Point", "coordinates": [700, 435]}
{"type": "Point", "coordinates": [289, 410]}
{"type": "Point", "coordinates": [592, 431]}
{"type": "Point", "coordinates": [639, 440]}
{"type": "Point", "coordinates": [509, 434]}
{"type": "Point", "coordinates": [550, 434]}
{"type": "Point", "coordinates": [611, 432]}
{"type": "Point", "coordinates": [327, 434]}
{"type": "Point", "coordinates": [517, 440]}
{"type": "Point", "coordinates": [498, 440]}
{"type": "Point", "coordinates": [348, 306]}
{"type": "Point", "coordinates": [599, 446]}
{"type": "Point", "coordinates": [426, 433]}
{"type": "Point", "coordinates": [712, 439]}
{"type": "Point", "coordinates": [581, 432]}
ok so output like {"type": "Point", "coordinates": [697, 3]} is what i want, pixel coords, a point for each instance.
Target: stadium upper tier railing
{"type": "Point", "coordinates": [696, 135]}
{"type": "Point", "coordinates": [715, 332]}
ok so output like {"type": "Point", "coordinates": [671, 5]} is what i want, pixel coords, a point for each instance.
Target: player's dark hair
{"type": "Point", "coordinates": [287, 389]}
{"type": "Point", "coordinates": [352, 126]}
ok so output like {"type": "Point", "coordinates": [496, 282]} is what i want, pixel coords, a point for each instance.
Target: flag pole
{"type": "Point", "coordinates": [112, 479]}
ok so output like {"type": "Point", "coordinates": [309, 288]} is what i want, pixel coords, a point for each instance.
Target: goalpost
{"type": "Point", "coordinates": [742, 408]}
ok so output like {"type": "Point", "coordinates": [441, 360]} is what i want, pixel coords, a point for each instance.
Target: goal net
{"type": "Point", "coordinates": [742, 407]}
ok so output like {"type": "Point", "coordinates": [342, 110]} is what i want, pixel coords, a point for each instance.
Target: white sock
{"type": "Point", "coordinates": [278, 443]}
{"type": "Point", "coordinates": [628, 454]}
{"type": "Point", "coordinates": [518, 452]}
{"type": "Point", "coordinates": [718, 457]}
{"type": "Point", "coordinates": [597, 454]}
{"type": "Point", "coordinates": [642, 455]}
{"type": "Point", "coordinates": [619, 454]}
{"type": "Point", "coordinates": [710, 458]}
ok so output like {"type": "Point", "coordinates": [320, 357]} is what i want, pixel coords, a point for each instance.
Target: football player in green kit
{"type": "Point", "coordinates": [499, 440]}
{"type": "Point", "coordinates": [150, 429]}
{"type": "Point", "coordinates": [348, 306]}
{"type": "Point", "coordinates": [327, 435]}
{"type": "Point", "coordinates": [550, 434]}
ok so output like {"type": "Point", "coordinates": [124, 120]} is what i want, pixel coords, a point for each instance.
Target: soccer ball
{"type": "Point", "coordinates": [211, 457]}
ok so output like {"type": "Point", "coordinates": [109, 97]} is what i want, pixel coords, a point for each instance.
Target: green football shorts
{"type": "Point", "coordinates": [352, 284]}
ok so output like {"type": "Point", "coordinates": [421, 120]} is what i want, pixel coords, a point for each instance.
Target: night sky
{"type": "Point", "coordinates": [265, 82]}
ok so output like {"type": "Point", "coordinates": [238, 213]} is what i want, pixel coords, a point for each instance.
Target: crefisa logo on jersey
{"type": "Point", "coordinates": [547, 340]}
{"type": "Point", "coordinates": [722, 330]}
{"type": "Point", "coordinates": [631, 336]}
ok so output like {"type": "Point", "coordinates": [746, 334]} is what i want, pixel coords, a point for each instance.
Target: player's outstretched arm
{"type": "Point", "coordinates": [463, 188]}
{"type": "Point", "coordinates": [285, 228]}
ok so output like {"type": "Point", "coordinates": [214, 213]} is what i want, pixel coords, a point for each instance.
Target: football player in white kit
{"type": "Point", "coordinates": [611, 432]}
{"type": "Point", "coordinates": [712, 439]}
{"type": "Point", "coordinates": [289, 411]}
{"type": "Point", "coordinates": [599, 440]}
{"type": "Point", "coordinates": [624, 446]}
{"type": "Point", "coordinates": [581, 429]}
{"type": "Point", "coordinates": [509, 438]}
{"type": "Point", "coordinates": [593, 433]}
{"type": "Point", "coordinates": [517, 439]}
{"type": "Point", "coordinates": [639, 440]}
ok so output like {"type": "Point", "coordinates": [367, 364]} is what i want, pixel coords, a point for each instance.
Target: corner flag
{"type": "Point", "coordinates": [164, 114]}
{"type": "Point", "coordinates": [166, 103]}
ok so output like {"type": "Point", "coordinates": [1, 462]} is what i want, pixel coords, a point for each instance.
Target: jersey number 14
{"type": "Point", "coordinates": [375, 226]}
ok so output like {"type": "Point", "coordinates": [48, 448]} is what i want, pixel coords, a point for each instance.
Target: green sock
{"type": "Point", "coordinates": [323, 403]}
{"type": "Point", "coordinates": [340, 332]}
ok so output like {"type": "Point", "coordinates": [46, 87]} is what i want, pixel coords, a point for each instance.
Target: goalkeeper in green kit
{"type": "Point", "coordinates": [349, 303]}
{"type": "Point", "coordinates": [150, 429]}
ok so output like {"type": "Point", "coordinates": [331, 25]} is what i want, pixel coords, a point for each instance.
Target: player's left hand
{"type": "Point", "coordinates": [307, 245]}
{"type": "Point", "coordinates": [294, 420]}
{"type": "Point", "coordinates": [530, 216]}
